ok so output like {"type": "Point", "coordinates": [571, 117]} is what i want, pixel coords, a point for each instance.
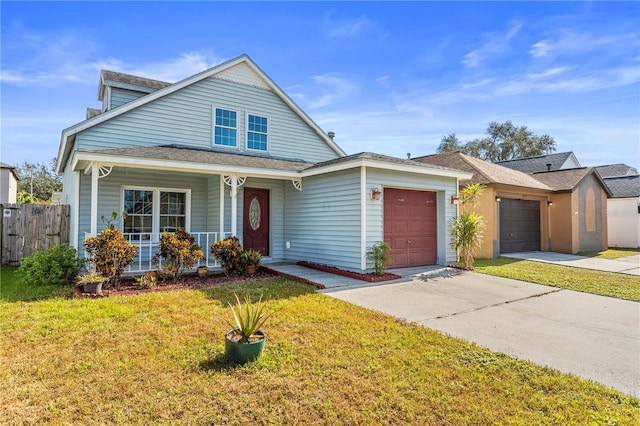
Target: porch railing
{"type": "Point", "coordinates": [148, 245]}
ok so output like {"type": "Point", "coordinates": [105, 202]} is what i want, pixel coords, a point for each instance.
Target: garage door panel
{"type": "Point", "coordinates": [519, 225]}
{"type": "Point", "coordinates": [410, 226]}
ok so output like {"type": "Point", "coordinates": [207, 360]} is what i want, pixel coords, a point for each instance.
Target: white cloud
{"type": "Point", "coordinates": [569, 42]}
{"type": "Point", "coordinates": [333, 88]}
{"type": "Point", "coordinates": [494, 44]}
{"type": "Point", "coordinates": [347, 27]}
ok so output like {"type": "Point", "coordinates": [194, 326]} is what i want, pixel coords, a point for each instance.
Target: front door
{"type": "Point", "coordinates": [256, 220]}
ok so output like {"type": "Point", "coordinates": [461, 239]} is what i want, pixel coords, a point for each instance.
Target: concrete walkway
{"type": "Point", "coordinates": [594, 337]}
{"type": "Point", "coordinates": [625, 265]}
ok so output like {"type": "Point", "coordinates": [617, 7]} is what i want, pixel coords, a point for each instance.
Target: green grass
{"type": "Point", "coordinates": [157, 358]}
{"type": "Point", "coordinates": [610, 284]}
{"type": "Point", "coordinates": [611, 253]}
{"type": "Point", "coordinates": [12, 288]}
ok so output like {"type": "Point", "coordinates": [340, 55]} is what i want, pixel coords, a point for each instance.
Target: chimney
{"type": "Point", "coordinates": [548, 167]}
{"type": "Point", "coordinates": [331, 135]}
{"type": "Point", "coordinates": [408, 156]}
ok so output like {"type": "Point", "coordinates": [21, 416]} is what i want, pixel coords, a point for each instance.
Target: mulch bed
{"type": "Point", "coordinates": [129, 286]}
{"type": "Point", "coordinates": [371, 277]}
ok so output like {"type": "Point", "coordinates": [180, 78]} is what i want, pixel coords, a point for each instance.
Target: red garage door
{"type": "Point", "coordinates": [410, 227]}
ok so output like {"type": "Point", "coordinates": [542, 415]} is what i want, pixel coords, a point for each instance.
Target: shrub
{"type": "Point", "coordinates": [110, 252]}
{"type": "Point", "coordinates": [146, 282]}
{"type": "Point", "coordinates": [467, 229]}
{"type": "Point", "coordinates": [251, 257]}
{"type": "Point", "coordinates": [229, 253]}
{"type": "Point", "coordinates": [179, 251]}
{"type": "Point", "coordinates": [380, 254]}
{"type": "Point", "coordinates": [58, 265]}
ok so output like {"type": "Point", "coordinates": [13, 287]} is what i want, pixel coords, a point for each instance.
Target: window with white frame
{"type": "Point", "coordinates": [225, 127]}
{"type": "Point", "coordinates": [152, 211]}
{"type": "Point", "coordinates": [257, 132]}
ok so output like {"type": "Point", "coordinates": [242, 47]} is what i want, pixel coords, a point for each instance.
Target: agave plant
{"type": "Point", "coordinates": [248, 317]}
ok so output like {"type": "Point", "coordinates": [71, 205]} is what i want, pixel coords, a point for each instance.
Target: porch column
{"type": "Point", "coordinates": [363, 218]}
{"type": "Point", "coordinates": [234, 205]}
{"type": "Point", "coordinates": [95, 172]}
{"type": "Point", "coordinates": [222, 189]}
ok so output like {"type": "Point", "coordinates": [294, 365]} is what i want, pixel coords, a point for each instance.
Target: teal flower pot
{"type": "Point", "coordinates": [241, 353]}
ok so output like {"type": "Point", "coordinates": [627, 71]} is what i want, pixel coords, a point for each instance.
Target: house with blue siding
{"type": "Point", "coordinates": [227, 152]}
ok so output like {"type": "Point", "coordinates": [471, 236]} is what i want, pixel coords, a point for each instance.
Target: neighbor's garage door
{"type": "Point", "coordinates": [410, 227]}
{"type": "Point", "coordinates": [519, 225]}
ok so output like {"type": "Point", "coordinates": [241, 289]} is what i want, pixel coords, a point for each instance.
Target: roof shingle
{"type": "Point", "coordinates": [624, 187]}
{"type": "Point", "coordinates": [541, 163]}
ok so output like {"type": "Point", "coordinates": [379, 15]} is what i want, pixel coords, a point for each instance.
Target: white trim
{"type": "Point", "coordinates": [222, 190]}
{"type": "Point", "coordinates": [181, 166]}
{"type": "Point", "coordinates": [155, 214]}
{"type": "Point", "coordinates": [94, 198]}
{"type": "Point", "coordinates": [363, 218]}
{"type": "Point", "coordinates": [378, 164]}
{"type": "Point", "coordinates": [76, 210]}
{"type": "Point", "coordinates": [246, 131]}
{"type": "Point", "coordinates": [235, 147]}
{"type": "Point", "coordinates": [234, 205]}
{"type": "Point", "coordinates": [70, 131]}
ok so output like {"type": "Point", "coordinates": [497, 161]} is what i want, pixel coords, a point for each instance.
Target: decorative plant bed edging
{"type": "Point", "coordinates": [372, 278]}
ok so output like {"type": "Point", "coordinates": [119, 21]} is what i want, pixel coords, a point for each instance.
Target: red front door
{"type": "Point", "coordinates": [256, 220]}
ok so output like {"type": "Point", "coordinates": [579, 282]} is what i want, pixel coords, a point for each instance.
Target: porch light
{"type": "Point", "coordinates": [498, 198]}
{"type": "Point", "coordinates": [375, 193]}
{"type": "Point", "coordinates": [549, 203]}
{"type": "Point", "coordinates": [454, 199]}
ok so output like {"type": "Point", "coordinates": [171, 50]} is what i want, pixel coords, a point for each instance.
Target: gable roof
{"type": "Point", "coordinates": [616, 170]}
{"type": "Point", "coordinates": [568, 179]}
{"type": "Point", "coordinates": [624, 186]}
{"type": "Point", "coordinates": [128, 82]}
{"type": "Point", "coordinates": [13, 169]}
{"type": "Point", "coordinates": [540, 163]}
{"type": "Point", "coordinates": [372, 159]}
{"type": "Point", "coordinates": [483, 172]}
{"type": "Point", "coordinates": [183, 158]}
{"type": "Point", "coordinates": [68, 134]}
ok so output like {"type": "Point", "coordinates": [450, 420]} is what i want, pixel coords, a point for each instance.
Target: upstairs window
{"type": "Point", "coordinates": [226, 127]}
{"type": "Point", "coordinates": [257, 132]}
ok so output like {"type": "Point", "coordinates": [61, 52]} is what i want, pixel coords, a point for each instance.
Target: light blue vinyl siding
{"type": "Point", "coordinates": [185, 117]}
{"type": "Point", "coordinates": [123, 96]}
{"type": "Point", "coordinates": [110, 190]}
{"type": "Point", "coordinates": [444, 186]}
{"type": "Point", "coordinates": [322, 222]}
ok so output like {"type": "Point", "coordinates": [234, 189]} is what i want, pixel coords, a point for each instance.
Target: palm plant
{"type": "Point", "coordinates": [248, 317]}
{"type": "Point", "coordinates": [467, 229]}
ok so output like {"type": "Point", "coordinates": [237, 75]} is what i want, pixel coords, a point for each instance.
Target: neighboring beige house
{"type": "Point", "coordinates": [9, 178]}
{"type": "Point", "coordinates": [623, 209]}
{"type": "Point", "coordinates": [560, 210]}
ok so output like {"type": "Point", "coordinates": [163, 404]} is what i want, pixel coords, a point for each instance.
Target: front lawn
{"type": "Point", "coordinates": [609, 284]}
{"type": "Point", "coordinates": [611, 253]}
{"type": "Point", "coordinates": [156, 358]}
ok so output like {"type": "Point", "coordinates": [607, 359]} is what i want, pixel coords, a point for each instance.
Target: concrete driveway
{"type": "Point", "coordinates": [594, 337]}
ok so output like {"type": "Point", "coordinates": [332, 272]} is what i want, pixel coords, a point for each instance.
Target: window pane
{"type": "Point", "coordinates": [138, 204]}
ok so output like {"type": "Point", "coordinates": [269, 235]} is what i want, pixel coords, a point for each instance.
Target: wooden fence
{"type": "Point", "coordinates": [27, 228]}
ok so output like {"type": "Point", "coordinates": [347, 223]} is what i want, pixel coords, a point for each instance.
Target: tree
{"type": "Point", "coordinates": [38, 180]}
{"type": "Point", "coordinates": [504, 141]}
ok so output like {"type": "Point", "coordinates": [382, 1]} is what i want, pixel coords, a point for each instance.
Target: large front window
{"type": "Point", "coordinates": [152, 211]}
{"type": "Point", "coordinates": [225, 128]}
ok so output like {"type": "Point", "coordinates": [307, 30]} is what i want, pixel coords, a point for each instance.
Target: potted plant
{"type": "Point", "coordinates": [251, 259]}
{"type": "Point", "coordinates": [245, 341]}
{"type": "Point", "coordinates": [91, 282]}
{"type": "Point", "coordinates": [202, 271]}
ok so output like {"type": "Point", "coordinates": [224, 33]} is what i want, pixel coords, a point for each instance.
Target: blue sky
{"type": "Point", "coordinates": [386, 77]}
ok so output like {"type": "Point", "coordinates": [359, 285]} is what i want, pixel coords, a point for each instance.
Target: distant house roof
{"type": "Point", "coordinates": [541, 163]}
{"type": "Point", "coordinates": [129, 82]}
{"type": "Point", "coordinates": [567, 179]}
{"type": "Point", "coordinates": [616, 170]}
{"type": "Point", "coordinates": [624, 186]}
{"type": "Point", "coordinates": [483, 172]}
{"type": "Point", "coordinates": [14, 170]}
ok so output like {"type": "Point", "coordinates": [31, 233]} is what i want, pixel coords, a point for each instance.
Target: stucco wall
{"type": "Point", "coordinates": [592, 224]}
{"type": "Point", "coordinates": [623, 222]}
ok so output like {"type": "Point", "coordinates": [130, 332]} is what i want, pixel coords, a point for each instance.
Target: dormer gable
{"type": "Point", "coordinates": [115, 88]}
